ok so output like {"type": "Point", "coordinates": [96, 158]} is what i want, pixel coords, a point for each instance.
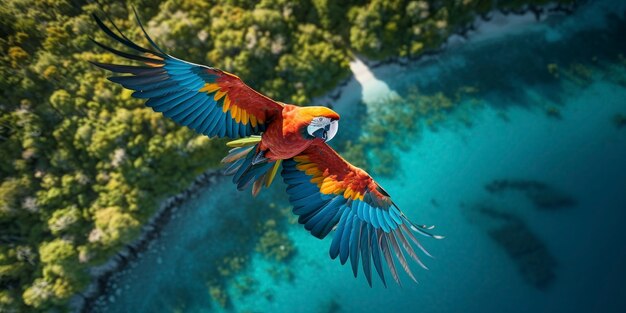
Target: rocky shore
{"type": "Point", "coordinates": [101, 274]}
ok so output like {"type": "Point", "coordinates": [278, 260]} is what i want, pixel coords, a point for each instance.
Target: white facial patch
{"type": "Point", "coordinates": [323, 127]}
{"type": "Point", "coordinates": [334, 127]}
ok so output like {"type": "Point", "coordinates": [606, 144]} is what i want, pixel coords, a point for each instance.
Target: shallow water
{"type": "Point", "coordinates": [528, 129]}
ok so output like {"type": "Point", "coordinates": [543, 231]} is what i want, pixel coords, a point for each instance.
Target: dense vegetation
{"type": "Point", "coordinates": [84, 165]}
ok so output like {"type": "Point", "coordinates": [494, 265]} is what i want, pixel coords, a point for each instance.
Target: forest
{"type": "Point", "coordinates": [83, 164]}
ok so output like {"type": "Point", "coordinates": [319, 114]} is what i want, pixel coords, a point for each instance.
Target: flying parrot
{"type": "Point", "coordinates": [327, 192]}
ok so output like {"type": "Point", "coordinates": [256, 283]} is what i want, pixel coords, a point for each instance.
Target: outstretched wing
{"type": "Point", "coordinates": [208, 100]}
{"type": "Point", "coordinates": [329, 193]}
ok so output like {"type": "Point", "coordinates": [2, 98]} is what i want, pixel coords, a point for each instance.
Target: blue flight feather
{"type": "Point", "coordinates": [381, 220]}
{"type": "Point", "coordinates": [395, 215]}
{"type": "Point", "coordinates": [376, 254]}
{"type": "Point", "coordinates": [137, 81]}
{"type": "Point", "coordinates": [388, 220]}
{"type": "Point", "coordinates": [201, 116]}
{"type": "Point", "coordinates": [193, 113]}
{"type": "Point", "coordinates": [183, 107]}
{"type": "Point", "coordinates": [189, 76]}
{"type": "Point", "coordinates": [323, 218]}
{"type": "Point", "coordinates": [335, 219]}
{"type": "Point", "coordinates": [233, 126]}
{"type": "Point", "coordinates": [303, 200]}
{"type": "Point", "coordinates": [228, 123]}
{"type": "Point", "coordinates": [354, 246]}
{"type": "Point", "coordinates": [365, 252]}
{"type": "Point", "coordinates": [335, 245]}
{"type": "Point", "coordinates": [344, 250]}
{"type": "Point", "coordinates": [209, 118]}
{"type": "Point", "coordinates": [191, 85]}
{"type": "Point", "coordinates": [327, 209]}
{"type": "Point", "coordinates": [221, 132]}
{"type": "Point", "coordinates": [309, 207]}
{"type": "Point", "coordinates": [215, 125]}
{"type": "Point", "coordinates": [158, 101]}
{"type": "Point", "coordinates": [140, 94]}
{"type": "Point", "coordinates": [359, 208]}
{"type": "Point", "coordinates": [372, 216]}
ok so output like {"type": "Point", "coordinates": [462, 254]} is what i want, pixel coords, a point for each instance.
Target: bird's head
{"type": "Point", "coordinates": [320, 122]}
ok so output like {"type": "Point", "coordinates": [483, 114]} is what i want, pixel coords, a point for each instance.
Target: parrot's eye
{"type": "Point", "coordinates": [323, 128]}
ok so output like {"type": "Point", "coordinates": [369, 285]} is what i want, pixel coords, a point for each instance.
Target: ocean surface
{"type": "Point", "coordinates": [526, 179]}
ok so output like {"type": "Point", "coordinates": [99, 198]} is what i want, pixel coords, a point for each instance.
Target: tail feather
{"type": "Point", "coordinates": [233, 167]}
{"type": "Point", "coordinates": [248, 165]}
{"type": "Point", "coordinates": [252, 173]}
{"type": "Point", "coordinates": [236, 154]}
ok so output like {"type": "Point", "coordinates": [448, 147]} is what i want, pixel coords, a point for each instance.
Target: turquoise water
{"type": "Point", "coordinates": [548, 239]}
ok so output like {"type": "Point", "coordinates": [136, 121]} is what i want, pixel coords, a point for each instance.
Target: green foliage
{"type": "Point", "coordinates": [66, 221]}
{"type": "Point", "coordinates": [84, 165]}
{"type": "Point", "coordinates": [384, 29]}
{"type": "Point", "coordinates": [62, 277]}
{"type": "Point", "coordinates": [114, 226]}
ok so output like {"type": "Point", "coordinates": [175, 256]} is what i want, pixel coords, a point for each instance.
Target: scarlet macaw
{"type": "Point", "coordinates": [326, 191]}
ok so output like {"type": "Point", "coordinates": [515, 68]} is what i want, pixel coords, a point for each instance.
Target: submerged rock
{"type": "Point", "coordinates": [619, 120]}
{"type": "Point", "coordinates": [269, 295]}
{"type": "Point", "coordinates": [531, 256]}
{"type": "Point", "coordinates": [553, 112]}
{"type": "Point", "coordinates": [543, 196]}
{"type": "Point", "coordinates": [333, 307]}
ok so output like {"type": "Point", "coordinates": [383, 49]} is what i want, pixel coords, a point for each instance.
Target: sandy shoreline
{"type": "Point", "coordinates": [362, 84]}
